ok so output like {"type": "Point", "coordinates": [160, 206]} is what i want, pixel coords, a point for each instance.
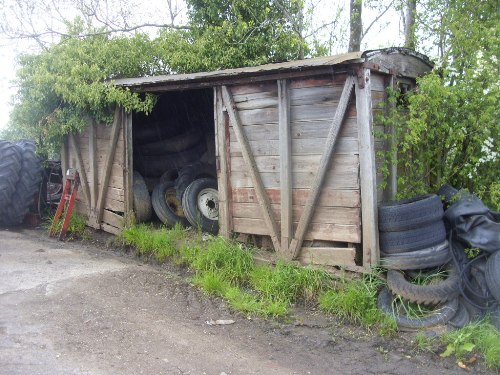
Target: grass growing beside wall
{"type": "Point", "coordinates": [227, 269]}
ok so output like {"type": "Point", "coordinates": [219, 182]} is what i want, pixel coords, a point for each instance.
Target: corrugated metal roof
{"type": "Point", "coordinates": [267, 68]}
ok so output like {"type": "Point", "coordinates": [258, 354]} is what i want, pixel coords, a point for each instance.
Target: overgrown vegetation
{"type": "Point", "coordinates": [228, 270]}
{"type": "Point", "coordinates": [447, 130]}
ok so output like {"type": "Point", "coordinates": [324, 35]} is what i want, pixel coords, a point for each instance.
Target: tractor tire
{"type": "Point", "coordinates": [27, 185]}
{"type": "Point", "coordinates": [10, 166]}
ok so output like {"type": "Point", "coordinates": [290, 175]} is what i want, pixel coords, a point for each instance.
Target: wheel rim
{"type": "Point", "coordinates": [208, 203]}
{"type": "Point", "coordinates": [173, 203]}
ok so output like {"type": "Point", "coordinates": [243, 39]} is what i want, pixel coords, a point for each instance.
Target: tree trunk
{"type": "Point", "coordinates": [356, 26]}
{"type": "Point", "coordinates": [411, 8]}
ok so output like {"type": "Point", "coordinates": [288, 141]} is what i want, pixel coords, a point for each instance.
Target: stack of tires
{"type": "Point", "coordinates": [158, 148]}
{"type": "Point", "coordinates": [188, 196]}
{"type": "Point", "coordinates": [20, 176]}
{"type": "Point", "coordinates": [413, 248]}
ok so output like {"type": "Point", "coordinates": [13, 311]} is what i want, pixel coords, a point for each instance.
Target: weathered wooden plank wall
{"type": "Point", "coordinates": [306, 106]}
{"type": "Point", "coordinates": [98, 153]}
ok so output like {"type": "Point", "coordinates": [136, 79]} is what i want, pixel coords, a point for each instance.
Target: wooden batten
{"type": "Point", "coordinates": [285, 156]}
{"type": "Point", "coordinates": [367, 171]}
{"type": "Point", "coordinates": [221, 155]}
{"type": "Point", "coordinates": [128, 155]}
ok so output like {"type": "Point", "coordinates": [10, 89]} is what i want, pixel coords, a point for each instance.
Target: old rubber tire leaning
{"type": "Point", "coordinates": [142, 201]}
{"type": "Point", "coordinates": [167, 206]}
{"type": "Point", "coordinates": [411, 213]}
{"type": "Point", "coordinates": [492, 275]}
{"type": "Point", "coordinates": [442, 313]}
{"type": "Point", "coordinates": [430, 294]}
{"type": "Point", "coordinates": [201, 204]}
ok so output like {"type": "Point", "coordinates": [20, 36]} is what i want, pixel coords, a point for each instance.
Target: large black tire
{"type": "Point", "coordinates": [434, 256]}
{"type": "Point", "coordinates": [492, 275]}
{"type": "Point", "coordinates": [10, 166]}
{"type": "Point", "coordinates": [430, 294]}
{"type": "Point", "coordinates": [442, 314]}
{"type": "Point", "coordinates": [193, 172]}
{"type": "Point", "coordinates": [461, 318]}
{"type": "Point", "coordinates": [173, 144]}
{"type": "Point", "coordinates": [409, 213]}
{"type": "Point", "coordinates": [167, 206]}
{"type": "Point", "coordinates": [27, 185]}
{"type": "Point", "coordinates": [142, 201]}
{"type": "Point", "coordinates": [201, 204]}
{"type": "Point", "coordinates": [155, 166]}
{"type": "Point", "coordinates": [414, 239]}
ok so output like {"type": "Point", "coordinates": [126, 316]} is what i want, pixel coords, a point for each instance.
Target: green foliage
{"type": "Point", "coordinates": [449, 131]}
{"type": "Point", "coordinates": [62, 87]}
{"type": "Point", "coordinates": [481, 336]}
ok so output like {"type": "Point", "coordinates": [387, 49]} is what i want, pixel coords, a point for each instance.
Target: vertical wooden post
{"type": "Point", "coordinates": [128, 182]}
{"type": "Point", "coordinates": [221, 156]}
{"type": "Point", "coordinates": [285, 145]}
{"type": "Point", "coordinates": [93, 181]}
{"type": "Point", "coordinates": [368, 174]}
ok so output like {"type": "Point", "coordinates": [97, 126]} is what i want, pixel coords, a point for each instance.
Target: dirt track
{"type": "Point", "coordinates": [75, 308]}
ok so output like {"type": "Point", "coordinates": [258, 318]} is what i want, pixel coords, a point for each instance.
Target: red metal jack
{"type": "Point", "coordinates": [66, 203]}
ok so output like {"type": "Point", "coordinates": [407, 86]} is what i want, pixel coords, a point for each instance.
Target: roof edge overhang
{"type": "Point", "coordinates": [381, 59]}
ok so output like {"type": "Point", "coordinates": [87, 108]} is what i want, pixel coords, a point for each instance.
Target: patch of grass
{"type": "Point", "coordinates": [160, 243]}
{"type": "Point", "coordinates": [212, 283]}
{"type": "Point", "coordinates": [228, 259]}
{"type": "Point", "coordinates": [480, 336]}
{"type": "Point", "coordinates": [356, 301]}
{"type": "Point", "coordinates": [288, 282]}
{"type": "Point", "coordinates": [227, 269]}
